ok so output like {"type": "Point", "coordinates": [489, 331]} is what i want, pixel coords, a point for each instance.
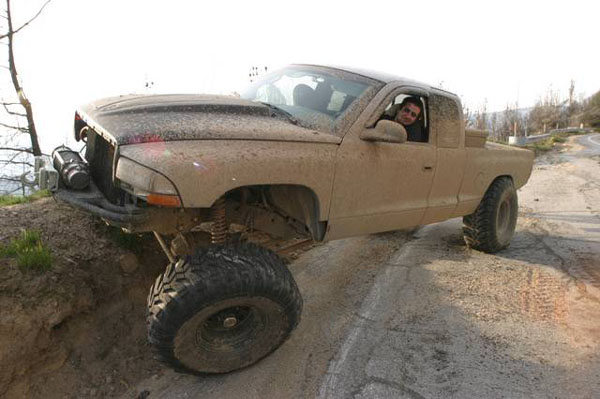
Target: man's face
{"type": "Point", "coordinates": [408, 114]}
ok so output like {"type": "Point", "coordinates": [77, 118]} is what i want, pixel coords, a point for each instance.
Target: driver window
{"type": "Point", "coordinates": [410, 111]}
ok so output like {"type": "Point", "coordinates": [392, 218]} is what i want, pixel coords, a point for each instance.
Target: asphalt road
{"type": "Point", "coordinates": [420, 316]}
{"type": "Point", "coordinates": [594, 139]}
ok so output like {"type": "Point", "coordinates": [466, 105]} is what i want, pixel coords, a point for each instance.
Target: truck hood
{"type": "Point", "coordinates": [147, 118]}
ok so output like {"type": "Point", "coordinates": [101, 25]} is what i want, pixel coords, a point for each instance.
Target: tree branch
{"type": "Point", "coordinates": [16, 154]}
{"type": "Point", "coordinates": [10, 179]}
{"type": "Point", "coordinates": [12, 112]}
{"type": "Point", "coordinates": [16, 163]}
{"type": "Point", "coordinates": [11, 137]}
{"type": "Point", "coordinates": [21, 129]}
{"type": "Point", "coordinates": [16, 189]}
{"type": "Point", "coordinates": [16, 149]}
{"type": "Point", "coordinates": [12, 32]}
{"type": "Point", "coordinates": [33, 136]}
{"type": "Point", "coordinates": [34, 17]}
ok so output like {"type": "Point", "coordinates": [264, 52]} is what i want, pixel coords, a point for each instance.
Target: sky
{"type": "Point", "coordinates": [493, 52]}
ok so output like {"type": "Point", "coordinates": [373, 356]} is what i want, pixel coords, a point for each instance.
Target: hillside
{"type": "Point", "coordinates": [77, 330]}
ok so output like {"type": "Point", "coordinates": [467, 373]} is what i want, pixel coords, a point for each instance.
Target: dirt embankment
{"type": "Point", "coordinates": [77, 330]}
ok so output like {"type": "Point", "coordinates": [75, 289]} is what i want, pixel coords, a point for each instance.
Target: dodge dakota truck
{"type": "Point", "coordinates": [305, 152]}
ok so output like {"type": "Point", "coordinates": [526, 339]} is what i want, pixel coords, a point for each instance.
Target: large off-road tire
{"type": "Point", "coordinates": [491, 227]}
{"type": "Point", "coordinates": [222, 309]}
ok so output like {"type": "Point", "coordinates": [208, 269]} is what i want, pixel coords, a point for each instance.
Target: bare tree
{"type": "Point", "coordinates": [591, 110]}
{"type": "Point", "coordinates": [481, 116]}
{"type": "Point", "coordinates": [511, 122]}
{"type": "Point", "coordinates": [571, 93]}
{"type": "Point", "coordinates": [13, 149]}
{"type": "Point", "coordinates": [494, 125]}
{"type": "Point", "coordinates": [467, 116]}
{"type": "Point", "coordinates": [547, 113]}
{"type": "Point", "coordinates": [467, 113]}
{"type": "Point", "coordinates": [574, 112]}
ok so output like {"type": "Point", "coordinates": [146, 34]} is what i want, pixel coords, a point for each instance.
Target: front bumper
{"type": "Point", "coordinates": [132, 218]}
{"type": "Point", "coordinates": [93, 201]}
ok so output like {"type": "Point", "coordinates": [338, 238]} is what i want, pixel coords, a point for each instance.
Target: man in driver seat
{"type": "Point", "coordinates": [410, 115]}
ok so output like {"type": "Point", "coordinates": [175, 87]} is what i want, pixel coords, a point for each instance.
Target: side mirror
{"type": "Point", "coordinates": [386, 131]}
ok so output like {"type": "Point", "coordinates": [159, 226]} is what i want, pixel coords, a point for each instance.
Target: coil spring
{"type": "Point", "coordinates": [219, 228]}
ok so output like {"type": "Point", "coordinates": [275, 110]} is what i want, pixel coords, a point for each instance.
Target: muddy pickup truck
{"type": "Point", "coordinates": [306, 152]}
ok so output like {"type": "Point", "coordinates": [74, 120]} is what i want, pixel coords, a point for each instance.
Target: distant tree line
{"type": "Point", "coordinates": [549, 112]}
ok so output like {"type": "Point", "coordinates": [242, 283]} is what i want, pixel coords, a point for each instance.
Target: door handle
{"type": "Point", "coordinates": [427, 168]}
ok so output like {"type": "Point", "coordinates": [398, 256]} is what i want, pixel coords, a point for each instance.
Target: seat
{"type": "Point", "coordinates": [304, 96]}
{"type": "Point", "coordinates": [392, 111]}
{"type": "Point", "coordinates": [322, 96]}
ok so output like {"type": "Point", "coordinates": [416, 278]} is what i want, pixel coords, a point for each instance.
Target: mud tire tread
{"type": "Point", "coordinates": [213, 274]}
{"type": "Point", "coordinates": [479, 228]}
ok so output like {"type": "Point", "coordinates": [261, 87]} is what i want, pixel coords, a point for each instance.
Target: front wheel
{"type": "Point", "coordinates": [222, 309]}
{"type": "Point", "coordinates": [491, 227]}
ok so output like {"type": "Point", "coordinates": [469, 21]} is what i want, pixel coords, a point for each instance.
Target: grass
{"type": "Point", "coordinates": [496, 140]}
{"type": "Point", "coordinates": [6, 200]}
{"type": "Point", "coordinates": [30, 252]}
{"type": "Point", "coordinates": [131, 241]}
{"type": "Point", "coordinates": [540, 147]}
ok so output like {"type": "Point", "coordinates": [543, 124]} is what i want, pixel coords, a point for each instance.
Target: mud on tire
{"type": "Point", "coordinates": [491, 227]}
{"type": "Point", "coordinates": [222, 309]}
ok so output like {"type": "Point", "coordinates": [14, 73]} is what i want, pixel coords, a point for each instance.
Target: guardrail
{"type": "Point", "coordinates": [522, 141]}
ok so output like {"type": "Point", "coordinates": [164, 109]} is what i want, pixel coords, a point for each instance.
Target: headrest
{"type": "Point", "coordinates": [304, 96]}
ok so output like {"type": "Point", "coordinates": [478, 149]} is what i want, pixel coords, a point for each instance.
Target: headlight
{"type": "Point", "coordinates": [146, 183]}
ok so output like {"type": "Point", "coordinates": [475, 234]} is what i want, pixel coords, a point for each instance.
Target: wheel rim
{"type": "Point", "coordinates": [211, 342]}
{"type": "Point", "coordinates": [505, 218]}
{"type": "Point", "coordinates": [229, 327]}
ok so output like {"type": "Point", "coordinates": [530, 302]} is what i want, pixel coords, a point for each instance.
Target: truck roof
{"type": "Point", "coordinates": [383, 77]}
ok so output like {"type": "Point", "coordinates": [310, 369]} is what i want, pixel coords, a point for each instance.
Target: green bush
{"type": "Point", "coordinates": [30, 252]}
{"type": "Point", "coordinates": [540, 147]}
{"type": "Point", "coordinates": [558, 139]}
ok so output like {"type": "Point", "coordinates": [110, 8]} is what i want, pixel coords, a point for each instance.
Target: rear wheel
{"type": "Point", "coordinates": [222, 309]}
{"type": "Point", "coordinates": [491, 227]}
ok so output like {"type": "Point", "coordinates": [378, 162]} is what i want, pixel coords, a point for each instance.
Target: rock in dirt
{"type": "Point", "coordinates": [129, 262]}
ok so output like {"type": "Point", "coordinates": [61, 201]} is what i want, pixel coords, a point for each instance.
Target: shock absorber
{"type": "Point", "coordinates": [219, 228]}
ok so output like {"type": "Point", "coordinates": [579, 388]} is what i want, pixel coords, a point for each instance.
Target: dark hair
{"type": "Point", "coordinates": [413, 100]}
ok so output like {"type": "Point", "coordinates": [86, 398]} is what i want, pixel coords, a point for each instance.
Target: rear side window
{"type": "Point", "coordinates": [445, 121]}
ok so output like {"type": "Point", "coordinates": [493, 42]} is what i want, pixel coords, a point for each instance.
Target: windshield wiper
{"type": "Point", "coordinates": [281, 111]}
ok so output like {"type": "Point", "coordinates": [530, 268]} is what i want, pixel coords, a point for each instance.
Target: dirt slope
{"type": "Point", "coordinates": [77, 330]}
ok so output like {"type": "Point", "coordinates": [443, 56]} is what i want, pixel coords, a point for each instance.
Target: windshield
{"type": "Point", "coordinates": [316, 99]}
